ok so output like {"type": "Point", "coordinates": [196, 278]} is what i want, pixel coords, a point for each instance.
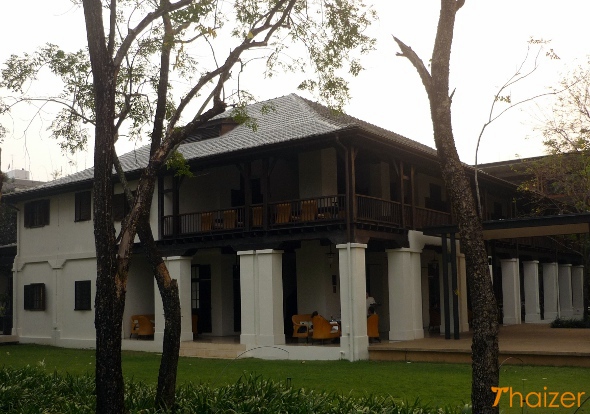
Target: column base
{"type": "Point", "coordinates": [566, 314]}
{"type": "Point", "coordinates": [360, 347]}
{"type": "Point", "coordinates": [510, 321]}
{"type": "Point", "coordinates": [248, 339]}
{"type": "Point", "coordinates": [406, 335]}
{"type": "Point", "coordinates": [550, 316]}
{"type": "Point", "coordinates": [270, 340]}
{"type": "Point", "coordinates": [535, 317]}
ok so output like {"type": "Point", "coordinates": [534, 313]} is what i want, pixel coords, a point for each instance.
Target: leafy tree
{"type": "Point", "coordinates": [122, 85]}
{"type": "Point", "coordinates": [485, 371]}
{"type": "Point", "coordinates": [559, 182]}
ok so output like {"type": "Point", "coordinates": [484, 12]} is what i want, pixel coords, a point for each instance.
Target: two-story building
{"type": "Point", "coordinates": [307, 212]}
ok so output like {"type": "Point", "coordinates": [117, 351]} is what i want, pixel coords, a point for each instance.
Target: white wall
{"type": "Point", "coordinates": [317, 173]}
{"type": "Point", "coordinates": [77, 324]}
{"type": "Point", "coordinates": [209, 189]}
{"type": "Point", "coordinates": [314, 280]}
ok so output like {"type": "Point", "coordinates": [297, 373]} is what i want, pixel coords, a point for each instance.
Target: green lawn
{"type": "Point", "coordinates": [433, 384]}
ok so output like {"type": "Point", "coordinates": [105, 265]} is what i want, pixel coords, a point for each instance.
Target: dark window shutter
{"type": "Point", "coordinates": [83, 296]}
{"type": "Point", "coordinates": [83, 206]}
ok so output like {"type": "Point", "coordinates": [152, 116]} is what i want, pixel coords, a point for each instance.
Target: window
{"type": "Point", "coordinates": [37, 213]}
{"type": "Point", "coordinates": [83, 295]}
{"type": "Point", "coordinates": [83, 206]}
{"type": "Point", "coordinates": [35, 297]}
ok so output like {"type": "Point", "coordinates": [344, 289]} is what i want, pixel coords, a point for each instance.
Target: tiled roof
{"type": "Point", "coordinates": [288, 118]}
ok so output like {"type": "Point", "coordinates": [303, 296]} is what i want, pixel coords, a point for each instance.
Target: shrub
{"type": "Point", "coordinates": [31, 390]}
{"type": "Point", "coordinates": [571, 323]}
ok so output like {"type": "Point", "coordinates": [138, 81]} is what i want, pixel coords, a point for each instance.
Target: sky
{"type": "Point", "coordinates": [489, 45]}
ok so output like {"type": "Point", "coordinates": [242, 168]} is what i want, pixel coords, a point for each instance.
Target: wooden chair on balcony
{"type": "Point", "coordinates": [309, 210]}
{"type": "Point", "coordinates": [323, 329]}
{"type": "Point", "coordinates": [283, 213]}
{"type": "Point", "coordinates": [373, 328]}
{"type": "Point", "coordinates": [302, 326]}
{"type": "Point", "coordinates": [257, 216]}
{"type": "Point", "coordinates": [206, 221]}
{"type": "Point", "coordinates": [229, 219]}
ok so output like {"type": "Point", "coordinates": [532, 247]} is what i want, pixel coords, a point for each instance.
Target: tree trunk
{"type": "Point", "coordinates": [110, 285]}
{"type": "Point", "coordinates": [485, 371]}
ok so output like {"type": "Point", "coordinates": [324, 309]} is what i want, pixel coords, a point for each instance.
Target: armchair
{"type": "Point", "coordinates": [301, 326]}
{"type": "Point", "coordinates": [373, 327]}
{"type": "Point", "coordinates": [322, 329]}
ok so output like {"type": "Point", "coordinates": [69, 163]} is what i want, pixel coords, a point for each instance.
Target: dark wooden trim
{"type": "Point", "coordinates": [160, 206]}
{"type": "Point", "coordinates": [247, 176]}
{"type": "Point", "coordinates": [445, 269]}
{"type": "Point", "coordinates": [454, 283]}
{"type": "Point", "coordinates": [413, 195]}
{"type": "Point", "coordinates": [402, 193]}
{"type": "Point", "coordinates": [175, 206]}
{"type": "Point", "coordinates": [264, 184]}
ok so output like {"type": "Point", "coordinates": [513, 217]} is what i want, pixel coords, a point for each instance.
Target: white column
{"type": "Point", "coordinates": [532, 306]}
{"type": "Point", "coordinates": [578, 291]}
{"type": "Point", "coordinates": [354, 342]}
{"type": "Point", "coordinates": [564, 279]}
{"type": "Point", "coordinates": [261, 289]}
{"type": "Point", "coordinates": [270, 297]}
{"type": "Point", "coordinates": [179, 268]}
{"type": "Point", "coordinates": [511, 292]}
{"type": "Point", "coordinates": [405, 294]}
{"type": "Point", "coordinates": [550, 292]}
{"type": "Point", "coordinates": [462, 286]}
{"type": "Point", "coordinates": [248, 297]}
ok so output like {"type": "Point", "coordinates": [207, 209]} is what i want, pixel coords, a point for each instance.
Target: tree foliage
{"type": "Point", "coordinates": [161, 70]}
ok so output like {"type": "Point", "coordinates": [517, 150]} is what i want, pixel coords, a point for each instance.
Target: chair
{"type": "Point", "coordinates": [373, 327]}
{"type": "Point", "coordinates": [206, 221]}
{"type": "Point", "coordinates": [434, 319]}
{"type": "Point", "coordinates": [142, 325]}
{"type": "Point", "coordinates": [283, 213]}
{"type": "Point", "coordinates": [229, 219]}
{"type": "Point", "coordinates": [301, 326]}
{"type": "Point", "coordinates": [322, 329]}
{"type": "Point", "coordinates": [257, 216]}
{"type": "Point", "coordinates": [195, 322]}
{"type": "Point", "coordinates": [309, 210]}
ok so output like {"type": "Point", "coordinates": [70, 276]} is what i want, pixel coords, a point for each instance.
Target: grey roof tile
{"type": "Point", "coordinates": [290, 118]}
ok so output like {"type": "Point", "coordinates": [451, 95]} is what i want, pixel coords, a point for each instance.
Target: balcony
{"type": "Point", "coordinates": [307, 212]}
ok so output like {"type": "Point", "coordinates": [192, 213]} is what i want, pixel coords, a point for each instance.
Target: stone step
{"type": "Point", "coordinates": [211, 350]}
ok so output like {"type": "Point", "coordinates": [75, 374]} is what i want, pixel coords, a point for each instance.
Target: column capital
{"type": "Point", "coordinates": [352, 246]}
{"type": "Point", "coordinates": [269, 251]}
{"type": "Point", "coordinates": [246, 252]}
{"type": "Point", "coordinates": [174, 258]}
{"type": "Point", "coordinates": [565, 265]}
{"type": "Point", "coordinates": [403, 250]}
{"type": "Point", "coordinates": [531, 261]}
{"type": "Point", "coordinates": [512, 259]}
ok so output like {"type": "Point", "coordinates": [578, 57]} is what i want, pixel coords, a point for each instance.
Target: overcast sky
{"type": "Point", "coordinates": [490, 42]}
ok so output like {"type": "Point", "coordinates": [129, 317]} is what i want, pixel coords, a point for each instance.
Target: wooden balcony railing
{"type": "Point", "coordinates": [228, 219]}
{"type": "Point", "coordinates": [425, 217]}
{"type": "Point", "coordinates": [378, 210]}
{"type": "Point", "coordinates": [309, 211]}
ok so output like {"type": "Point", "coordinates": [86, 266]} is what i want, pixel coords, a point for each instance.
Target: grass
{"type": "Point", "coordinates": [433, 384]}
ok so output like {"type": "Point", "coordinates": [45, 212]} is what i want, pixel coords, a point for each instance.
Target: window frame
{"type": "Point", "coordinates": [82, 295]}
{"type": "Point", "coordinates": [36, 213]}
{"type": "Point", "coordinates": [83, 206]}
{"type": "Point", "coordinates": [34, 297]}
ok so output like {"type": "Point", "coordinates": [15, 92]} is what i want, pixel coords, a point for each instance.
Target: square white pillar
{"type": "Point", "coordinates": [532, 306]}
{"type": "Point", "coordinates": [354, 342]}
{"type": "Point", "coordinates": [261, 289]}
{"type": "Point", "coordinates": [511, 292]}
{"type": "Point", "coordinates": [248, 297]}
{"type": "Point", "coordinates": [564, 279]}
{"type": "Point", "coordinates": [179, 268]}
{"type": "Point", "coordinates": [405, 294]}
{"type": "Point", "coordinates": [270, 297]}
{"type": "Point", "coordinates": [550, 292]}
{"type": "Point", "coordinates": [578, 291]}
